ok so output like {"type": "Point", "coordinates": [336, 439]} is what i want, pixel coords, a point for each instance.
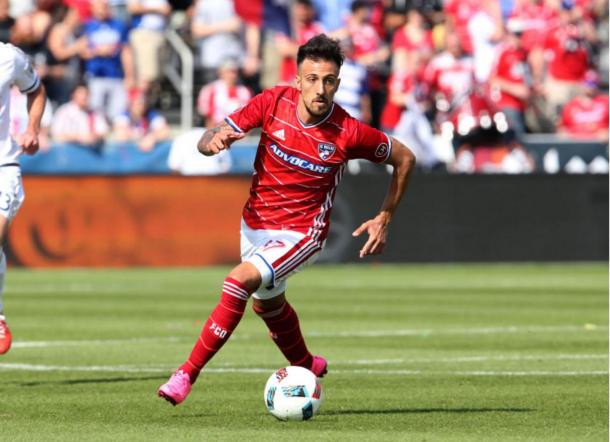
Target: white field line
{"type": "Point", "coordinates": [460, 331]}
{"type": "Point", "coordinates": [340, 334]}
{"type": "Point", "coordinates": [499, 358]}
{"type": "Point", "coordinates": [130, 369]}
{"type": "Point", "coordinates": [85, 342]}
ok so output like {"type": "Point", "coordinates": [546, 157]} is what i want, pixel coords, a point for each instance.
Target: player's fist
{"type": "Point", "coordinates": [28, 142]}
{"type": "Point", "coordinates": [218, 139]}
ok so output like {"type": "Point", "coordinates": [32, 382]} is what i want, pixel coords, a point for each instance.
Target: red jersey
{"type": "Point", "coordinates": [585, 117]}
{"type": "Point", "coordinates": [568, 53]}
{"type": "Point", "coordinates": [449, 76]}
{"type": "Point", "coordinates": [298, 166]}
{"type": "Point", "coordinates": [217, 99]}
{"type": "Point", "coordinates": [402, 40]}
{"type": "Point", "coordinates": [364, 38]}
{"type": "Point", "coordinates": [511, 66]}
{"type": "Point", "coordinates": [538, 20]}
{"type": "Point", "coordinates": [461, 11]}
{"type": "Point", "coordinates": [400, 84]}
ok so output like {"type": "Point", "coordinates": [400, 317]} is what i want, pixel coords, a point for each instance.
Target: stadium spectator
{"type": "Point", "coordinates": [485, 29]}
{"type": "Point", "coordinates": [108, 61]}
{"type": "Point", "coordinates": [567, 52]}
{"type": "Point", "coordinates": [458, 14]}
{"type": "Point", "coordinates": [353, 93]}
{"type": "Point", "coordinates": [74, 122]}
{"type": "Point", "coordinates": [286, 219]}
{"type": "Point", "coordinates": [141, 124]}
{"type": "Point", "coordinates": [412, 45]}
{"type": "Point", "coordinates": [19, 118]}
{"type": "Point", "coordinates": [185, 159]}
{"type": "Point", "coordinates": [332, 14]}
{"type": "Point", "coordinates": [449, 81]}
{"type": "Point", "coordinates": [147, 39]}
{"type": "Point", "coordinates": [216, 29]}
{"type": "Point", "coordinates": [30, 34]}
{"type": "Point", "coordinates": [510, 76]}
{"type": "Point", "coordinates": [6, 22]}
{"type": "Point", "coordinates": [63, 56]}
{"type": "Point", "coordinates": [304, 27]}
{"type": "Point", "coordinates": [82, 7]}
{"type": "Point", "coordinates": [221, 97]}
{"type": "Point", "coordinates": [369, 49]}
{"type": "Point", "coordinates": [16, 69]}
{"type": "Point", "coordinates": [586, 115]}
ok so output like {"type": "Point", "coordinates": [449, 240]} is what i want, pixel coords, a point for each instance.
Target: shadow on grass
{"type": "Point", "coordinates": [91, 381]}
{"type": "Point", "coordinates": [428, 410]}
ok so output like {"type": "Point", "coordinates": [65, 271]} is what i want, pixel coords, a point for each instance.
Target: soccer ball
{"type": "Point", "coordinates": [293, 393]}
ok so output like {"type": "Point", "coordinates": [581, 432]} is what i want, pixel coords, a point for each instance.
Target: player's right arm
{"type": "Point", "coordinates": [217, 139]}
{"type": "Point", "coordinates": [236, 125]}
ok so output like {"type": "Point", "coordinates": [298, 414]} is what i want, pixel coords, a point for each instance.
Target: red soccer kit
{"type": "Point", "coordinates": [298, 166]}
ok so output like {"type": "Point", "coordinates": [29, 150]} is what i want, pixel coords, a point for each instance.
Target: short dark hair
{"type": "Point", "coordinates": [321, 47]}
{"type": "Point", "coordinates": [359, 4]}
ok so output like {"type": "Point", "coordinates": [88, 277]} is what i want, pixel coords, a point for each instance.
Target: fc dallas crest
{"type": "Point", "coordinates": [326, 150]}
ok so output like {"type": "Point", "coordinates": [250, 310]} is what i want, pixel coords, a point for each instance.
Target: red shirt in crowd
{"type": "Point", "coordinates": [585, 117]}
{"type": "Point", "coordinates": [460, 12]}
{"type": "Point", "coordinates": [288, 68]}
{"type": "Point", "coordinates": [511, 66]}
{"type": "Point", "coordinates": [402, 41]}
{"type": "Point", "coordinates": [538, 20]}
{"type": "Point", "coordinates": [401, 84]}
{"type": "Point", "coordinates": [449, 76]}
{"type": "Point", "coordinates": [569, 57]}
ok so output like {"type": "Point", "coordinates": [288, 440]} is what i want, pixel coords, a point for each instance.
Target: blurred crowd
{"type": "Point", "coordinates": [468, 76]}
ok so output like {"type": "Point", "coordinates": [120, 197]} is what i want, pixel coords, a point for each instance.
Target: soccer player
{"type": "Point", "coordinates": [305, 144]}
{"type": "Point", "coordinates": [15, 68]}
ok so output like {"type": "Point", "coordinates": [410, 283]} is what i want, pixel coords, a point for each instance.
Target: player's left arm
{"type": "Point", "coordinates": [36, 101]}
{"type": "Point", "coordinates": [403, 161]}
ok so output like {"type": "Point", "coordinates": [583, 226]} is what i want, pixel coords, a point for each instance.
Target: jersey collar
{"type": "Point", "coordinates": [308, 126]}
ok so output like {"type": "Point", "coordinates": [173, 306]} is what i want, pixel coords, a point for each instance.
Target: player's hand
{"type": "Point", "coordinates": [222, 140]}
{"type": "Point", "coordinates": [28, 142]}
{"type": "Point", "coordinates": [377, 229]}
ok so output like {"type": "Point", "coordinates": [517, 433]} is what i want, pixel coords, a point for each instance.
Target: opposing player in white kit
{"type": "Point", "coordinates": [305, 144]}
{"type": "Point", "coordinates": [15, 68]}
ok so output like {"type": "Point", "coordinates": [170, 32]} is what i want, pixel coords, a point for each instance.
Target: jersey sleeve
{"type": "Point", "coordinates": [25, 77]}
{"type": "Point", "coordinates": [252, 114]}
{"type": "Point", "coordinates": [368, 143]}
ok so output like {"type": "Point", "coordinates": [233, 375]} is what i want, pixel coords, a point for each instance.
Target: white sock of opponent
{"type": "Point", "coordinates": [2, 273]}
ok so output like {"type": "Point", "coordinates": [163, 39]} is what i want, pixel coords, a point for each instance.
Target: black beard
{"type": "Point", "coordinates": [314, 113]}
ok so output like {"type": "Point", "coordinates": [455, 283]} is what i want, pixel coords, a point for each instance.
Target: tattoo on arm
{"type": "Point", "coordinates": [208, 135]}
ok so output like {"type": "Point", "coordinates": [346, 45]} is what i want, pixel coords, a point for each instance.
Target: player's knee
{"type": "Point", "coordinates": [267, 307]}
{"type": "Point", "coordinates": [248, 275]}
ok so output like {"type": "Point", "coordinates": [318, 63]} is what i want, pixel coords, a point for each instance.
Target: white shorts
{"type": "Point", "coordinates": [11, 191]}
{"type": "Point", "coordinates": [277, 254]}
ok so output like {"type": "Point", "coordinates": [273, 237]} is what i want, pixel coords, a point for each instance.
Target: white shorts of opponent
{"type": "Point", "coordinates": [277, 254]}
{"type": "Point", "coordinates": [11, 191]}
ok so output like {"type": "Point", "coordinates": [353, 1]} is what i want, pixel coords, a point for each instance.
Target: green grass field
{"type": "Point", "coordinates": [416, 353]}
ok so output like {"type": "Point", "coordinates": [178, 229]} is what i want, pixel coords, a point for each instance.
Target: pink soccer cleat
{"type": "Point", "coordinates": [319, 366]}
{"type": "Point", "coordinates": [177, 388]}
{"type": "Point", "coordinates": [5, 337]}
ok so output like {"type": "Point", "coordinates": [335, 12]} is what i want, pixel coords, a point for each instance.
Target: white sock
{"type": "Point", "coordinates": [2, 273]}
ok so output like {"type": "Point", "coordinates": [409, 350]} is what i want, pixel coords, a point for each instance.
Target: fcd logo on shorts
{"type": "Point", "coordinates": [326, 150]}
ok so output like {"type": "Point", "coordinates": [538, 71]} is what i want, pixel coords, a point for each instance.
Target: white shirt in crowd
{"type": "Point", "coordinates": [72, 119]}
{"type": "Point", "coordinates": [185, 159]}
